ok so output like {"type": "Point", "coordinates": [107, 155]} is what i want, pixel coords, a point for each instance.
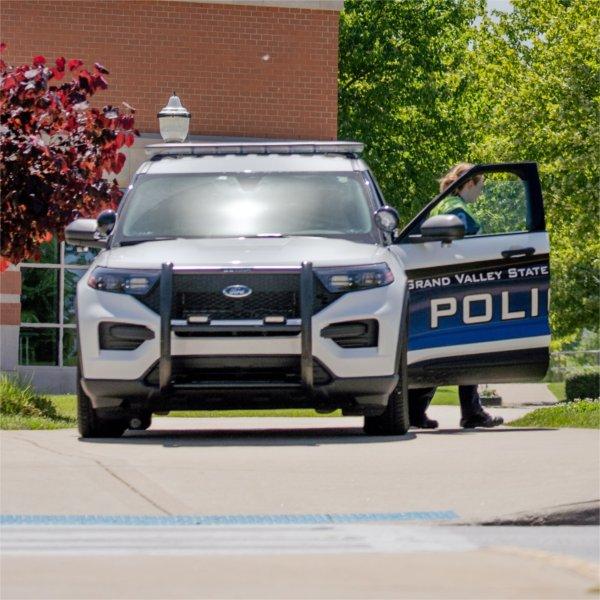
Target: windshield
{"type": "Point", "coordinates": [247, 204]}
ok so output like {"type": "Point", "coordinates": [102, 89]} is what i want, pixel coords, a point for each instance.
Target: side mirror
{"type": "Point", "coordinates": [386, 218]}
{"type": "Point", "coordinates": [106, 222]}
{"type": "Point", "coordinates": [84, 233]}
{"type": "Point", "coordinates": [441, 228]}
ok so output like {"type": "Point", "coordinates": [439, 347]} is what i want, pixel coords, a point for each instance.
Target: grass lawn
{"type": "Point", "coordinates": [23, 422]}
{"type": "Point", "coordinates": [558, 389]}
{"type": "Point", "coordinates": [67, 412]}
{"type": "Point", "coordinates": [581, 414]}
{"type": "Point", "coordinates": [22, 408]}
{"type": "Point", "coordinates": [447, 395]}
{"type": "Point", "coordinates": [65, 407]}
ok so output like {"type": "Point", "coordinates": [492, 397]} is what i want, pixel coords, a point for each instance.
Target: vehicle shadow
{"type": "Point", "coordinates": [321, 436]}
{"type": "Point", "coordinates": [481, 430]}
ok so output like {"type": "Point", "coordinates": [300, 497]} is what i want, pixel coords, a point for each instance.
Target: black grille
{"type": "Point", "coordinates": [272, 294]}
{"type": "Point", "coordinates": [244, 369]}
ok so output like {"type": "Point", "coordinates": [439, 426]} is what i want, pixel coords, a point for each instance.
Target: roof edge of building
{"type": "Point", "coordinates": [333, 5]}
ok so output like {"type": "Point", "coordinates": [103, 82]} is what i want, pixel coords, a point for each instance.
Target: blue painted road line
{"type": "Point", "coordinates": [170, 521]}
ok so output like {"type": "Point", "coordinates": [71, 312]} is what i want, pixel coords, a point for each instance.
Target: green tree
{"type": "Point", "coordinates": [401, 90]}
{"type": "Point", "coordinates": [534, 95]}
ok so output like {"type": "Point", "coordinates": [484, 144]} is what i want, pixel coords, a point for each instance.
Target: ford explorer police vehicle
{"type": "Point", "coordinates": [273, 275]}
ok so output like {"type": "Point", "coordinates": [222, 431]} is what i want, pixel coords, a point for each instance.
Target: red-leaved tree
{"type": "Point", "coordinates": [54, 150]}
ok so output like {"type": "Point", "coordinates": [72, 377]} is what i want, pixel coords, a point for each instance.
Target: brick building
{"type": "Point", "coordinates": [262, 69]}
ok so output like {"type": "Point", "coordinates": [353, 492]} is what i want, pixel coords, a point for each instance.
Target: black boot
{"type": "Point", "coordinates": [418, 402]}
{"type": "Point", "coordinates": [425, 423]}
{"type": "Point", "coordinates": [480, 419]}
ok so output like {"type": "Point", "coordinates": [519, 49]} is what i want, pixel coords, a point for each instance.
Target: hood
{"type": "Point", "coordinates": [244, 252]}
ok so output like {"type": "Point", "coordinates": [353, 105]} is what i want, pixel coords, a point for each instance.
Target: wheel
{"type": "Point", "coordinates": [394, 420]}
{"type": "Point", "coordinates": [90, 425]}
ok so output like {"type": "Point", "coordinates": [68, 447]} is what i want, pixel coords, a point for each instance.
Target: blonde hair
{"type": "Point", "coordinates": [456, 172]}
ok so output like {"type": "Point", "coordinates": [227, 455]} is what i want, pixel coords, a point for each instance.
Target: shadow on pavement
{"type": "Point", "coordinates": [244, 437]}
{"type": "Point", "coordinates": [481, 430]}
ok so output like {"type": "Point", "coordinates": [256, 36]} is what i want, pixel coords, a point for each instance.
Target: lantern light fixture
{"type": "Point", "coordinates": [174, 120]}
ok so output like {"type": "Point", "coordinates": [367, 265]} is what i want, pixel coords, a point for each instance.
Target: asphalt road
{"type": "Point", "coordinates": [296, 508]}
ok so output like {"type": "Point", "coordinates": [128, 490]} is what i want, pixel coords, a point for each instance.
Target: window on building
{"type": "Point", "coordinates": [47, 335]}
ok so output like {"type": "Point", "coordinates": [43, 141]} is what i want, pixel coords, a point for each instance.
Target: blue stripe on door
{"type": "Point", "coordinates": [473, 334]}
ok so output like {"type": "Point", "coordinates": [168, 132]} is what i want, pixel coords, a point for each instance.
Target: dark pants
{"type": "Point", "coordinates": [419, 399]}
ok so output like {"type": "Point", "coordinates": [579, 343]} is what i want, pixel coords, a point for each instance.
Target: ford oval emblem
{"type": "Point", "coordinates": [237, 291]}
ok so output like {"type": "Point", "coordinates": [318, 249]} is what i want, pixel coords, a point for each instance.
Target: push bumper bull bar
{"type": "Point", "coordinates": [169, 325]}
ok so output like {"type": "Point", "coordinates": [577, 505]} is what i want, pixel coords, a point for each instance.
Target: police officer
{"type": "Point", "coordinates": [472, 413]}
{"type": "Point", "coordinates": [458, 203]}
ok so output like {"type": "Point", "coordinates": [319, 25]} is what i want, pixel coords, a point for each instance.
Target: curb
{"type": "Point", "coordinates": [581, 513]}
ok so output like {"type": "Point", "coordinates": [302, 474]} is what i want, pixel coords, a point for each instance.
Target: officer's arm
{"type": "Point", "coordinates": [471, 226]}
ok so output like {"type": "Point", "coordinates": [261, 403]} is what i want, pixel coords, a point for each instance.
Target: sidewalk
{"type": "Point", "coordinates": [523, 394]}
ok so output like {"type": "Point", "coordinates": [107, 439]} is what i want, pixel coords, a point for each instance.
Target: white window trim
{"type": "Point", "coordinates": [61, 266]}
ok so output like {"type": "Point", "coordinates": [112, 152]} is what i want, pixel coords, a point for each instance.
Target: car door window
{"type": "Point", "coordinates": [487, 204]}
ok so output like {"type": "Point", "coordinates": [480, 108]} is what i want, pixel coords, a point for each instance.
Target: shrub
{"type": "Point", "coordinates": [585, 384]}
{"type": "Point", "coordinates": [55, 150]}
{"type": "Point", "coordinates": [18, 398]}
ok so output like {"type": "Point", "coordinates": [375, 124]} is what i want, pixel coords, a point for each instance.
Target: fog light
{"type": "Point", "coordinates": [274, 320]}
{"type": "Point", "coordinates": [201, 319]}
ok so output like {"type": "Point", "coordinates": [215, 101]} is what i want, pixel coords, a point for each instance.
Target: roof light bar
{"type": "Point", "coordinates": [200, 149]}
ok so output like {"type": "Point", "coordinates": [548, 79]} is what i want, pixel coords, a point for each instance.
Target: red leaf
{"type": "Point", "coordinates": [101, 69]}
{"type": "Point", "coordinates": [4, 264]}
{"type": "Point", "coordinates": [74, 63]}
{"type": "Point", "coordinates": [2, 48]}
{"type": "Point", "coordinates": [39, 60]}
{"type": "Point", "coordinates": [9, 83]}
{"type": "Point", "coordinates": [85, 80]}
{"type": "Point", "coordinates": [99, 82]}
{"type": "Point", "coordinates": [120, 139]}
{"type": "Point", "coordinates": [129, 139]}
{"type": "Point", "coordinates": [118, 164]}
{"type": "Point", "coordinates": [60, 63]}
{"type": "Point", "coordinates": [57, 73]}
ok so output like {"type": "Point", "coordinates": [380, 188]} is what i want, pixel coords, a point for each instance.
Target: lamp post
{"type": "Point", "coordinates": [174, 120]}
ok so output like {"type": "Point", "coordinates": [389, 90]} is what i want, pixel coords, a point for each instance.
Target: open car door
{"type": "Point", "coordinates": [479, 283]}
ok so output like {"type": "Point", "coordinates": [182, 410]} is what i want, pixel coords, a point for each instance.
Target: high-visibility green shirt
{"type": "Point", "coordinates": [455, 205]}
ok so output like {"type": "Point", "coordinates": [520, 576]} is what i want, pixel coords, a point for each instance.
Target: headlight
{"type": "Point", "coordinates": [353, 279]}
{"type": "Point", "coordinates": [119, 281]}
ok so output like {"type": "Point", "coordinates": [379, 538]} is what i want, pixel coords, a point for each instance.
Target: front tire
{"type": "Point", "coordinates": [394, 420]}
{"type": "Point", "coordinates": [89, 424]}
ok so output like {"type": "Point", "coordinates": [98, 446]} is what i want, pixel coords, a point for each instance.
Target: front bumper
{"type": "Point", "coordinates": [152, 374]}
{"type": "Point", "coordinates": [358, 395]}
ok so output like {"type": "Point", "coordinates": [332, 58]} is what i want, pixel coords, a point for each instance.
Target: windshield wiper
{"type": "Point", "coordinates": [266, 235]}
{"type": "Point", "coordinates": [133, 242]}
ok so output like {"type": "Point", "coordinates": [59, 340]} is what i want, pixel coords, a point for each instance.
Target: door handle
{"type": "Point", "coordinates": [518, 252]}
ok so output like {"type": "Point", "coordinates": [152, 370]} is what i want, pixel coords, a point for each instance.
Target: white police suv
{"type": "Point", "coordinates": [273, 275]}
